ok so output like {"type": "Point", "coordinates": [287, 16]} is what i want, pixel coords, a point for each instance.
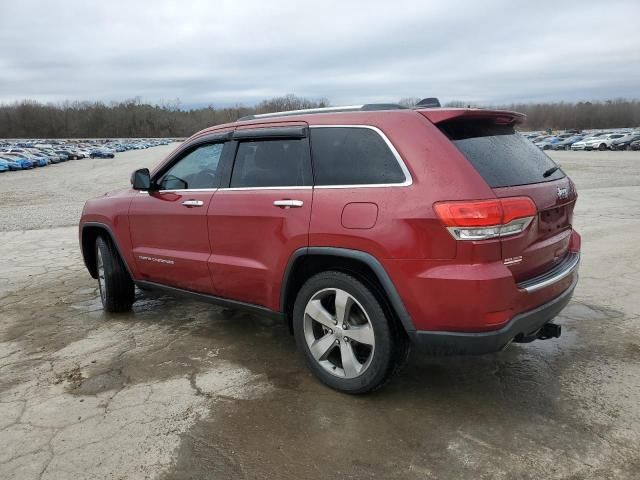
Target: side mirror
{"type": "Point", "coordinates": [141, 179]}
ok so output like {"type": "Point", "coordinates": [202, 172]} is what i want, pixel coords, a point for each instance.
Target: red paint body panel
{"type": "Point", "coordinates": [170, 241]}
{"type": "Point", "coordinates": [252, 241]}
{"type": "Point", "coordinates": [547, 238]}
{"type": "Point", "coordinates": [112, 210]}
{"type": "Point", "coordinates": [238, 244]}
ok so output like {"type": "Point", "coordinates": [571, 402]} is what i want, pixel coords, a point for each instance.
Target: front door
{"type": "Point", "coordinates": [262, 216]}
{"type": "Point", "coordinates": [169, 224]}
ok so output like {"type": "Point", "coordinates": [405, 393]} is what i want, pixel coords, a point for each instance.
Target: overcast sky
{"type": "Point", "coordinates": [242, 51]}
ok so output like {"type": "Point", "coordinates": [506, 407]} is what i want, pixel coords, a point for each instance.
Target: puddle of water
{"type": "Point", "coordinates": [113, 380]}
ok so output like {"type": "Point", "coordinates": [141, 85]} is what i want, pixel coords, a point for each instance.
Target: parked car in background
{"type": "Point", "coordinates": [11, 163]}
{"type": "Point", "coordinates": [566, 143]}
{"type": "Point", "coordinates": [53, 155]}
{"type": "Point", "coordinates": [67, 153]}
{"type": "Point", "coordinates": [565, 135]}
{"type": "Point", "coordinates": [63, 155]}
{"type": "Point", "coordinates": [100, 153]}
{"type": "Point", "coordinates": [42, 158]}
{"type": "Point", "coordinates": [581, 144]}
{"type": "Point", "coordinates": [602, 142]}
{"type": "Point", "coordinates": [18, 158]}
{"type": "Point", "coordinates": [541, 138]}
{"type": "Point", "coordinates": [30, 153]}
{"type": "Point", "coordinates": [4, 165]}
{"type": "Point", "coordinates": [635, 145]}
{"type": "Point", "coordinates": [35, 160]}
{"type": "Point", "coordinates": [625, 142]}
{"type": "Point", "coordinates": [548, 143]}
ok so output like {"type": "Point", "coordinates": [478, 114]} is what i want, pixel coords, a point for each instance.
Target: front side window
{"type": "Point", "coordinates": [272, 163]}
{"type": "Point", "coordinates": [353, 156]}
{"type": "Point", "coordinates": [197, 169]}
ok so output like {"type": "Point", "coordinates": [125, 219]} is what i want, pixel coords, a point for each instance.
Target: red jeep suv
{"type": "Point", "coordinates": [366, 228]}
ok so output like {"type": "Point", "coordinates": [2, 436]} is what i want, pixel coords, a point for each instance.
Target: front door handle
{"type": "Point", "coordinates": [193, 203]}
{"type": "Point", "coordinates": [288, 203]}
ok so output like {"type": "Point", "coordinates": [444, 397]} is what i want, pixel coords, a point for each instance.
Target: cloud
{"type": "Point", "coordinates": [226, 52]}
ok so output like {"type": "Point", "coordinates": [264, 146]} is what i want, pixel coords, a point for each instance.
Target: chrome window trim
{"type": "Point", "coordinates": [231, 189]}
{"type": "Point", "coordinates": [177, 190]}
{"type": "Point", "coordinates": [407, 174]}
{"type": "Point", "coordinates": [298, 187]}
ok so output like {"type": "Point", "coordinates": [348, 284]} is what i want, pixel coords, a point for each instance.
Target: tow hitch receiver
{"type": "Point", "coordinates": [549, 330]}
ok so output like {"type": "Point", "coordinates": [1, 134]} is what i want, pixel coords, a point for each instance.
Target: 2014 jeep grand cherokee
{"type": "Point", "coordinates": [367, 228]}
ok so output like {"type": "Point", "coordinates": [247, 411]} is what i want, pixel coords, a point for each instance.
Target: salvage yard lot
{"type": "Point", "coordinates": [180, 389]}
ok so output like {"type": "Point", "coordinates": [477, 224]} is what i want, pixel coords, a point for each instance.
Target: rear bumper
{"type": "Point", "coordinates": [475, 343]}
{"type": "Point", "coordinates": [567, 267]}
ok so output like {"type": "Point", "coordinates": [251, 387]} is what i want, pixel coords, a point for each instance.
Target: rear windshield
{"type": "Point", "coordinates": [503, 157]}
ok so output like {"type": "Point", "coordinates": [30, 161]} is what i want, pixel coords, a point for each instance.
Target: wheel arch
{"type": "Point", "coordinates": [89, 233]}
{"type": "Point", "coordinates": [306, 262]}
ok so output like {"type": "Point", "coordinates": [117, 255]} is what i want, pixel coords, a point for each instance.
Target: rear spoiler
{"type": "Point", "coordinates": [504, 117]}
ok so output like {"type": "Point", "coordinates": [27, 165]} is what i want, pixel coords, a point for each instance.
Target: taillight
{"type": "Point", "coordinates": [483, 219]}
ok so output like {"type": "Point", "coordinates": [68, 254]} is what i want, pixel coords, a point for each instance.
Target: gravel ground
{"type": "Point", "coordinates": [180, 389]}
{"type": "Point", "coordinates": [53, 196]}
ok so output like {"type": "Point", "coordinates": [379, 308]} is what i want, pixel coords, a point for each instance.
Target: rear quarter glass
{"type": "Point", "coordinates": [501, 156]}
{"type": "Point", "coordinates": [352, 156]}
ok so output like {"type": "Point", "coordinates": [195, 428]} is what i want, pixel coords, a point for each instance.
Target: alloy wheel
{"type": "Point", "coordinates": [339, 333]}
{"type": "Point", "coordinates": [101, 282]}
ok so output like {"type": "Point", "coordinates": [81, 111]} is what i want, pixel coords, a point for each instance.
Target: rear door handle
{"type": "Point", "coordinates": [193, 203]}
{"type": "Point", "coordinates": [288, 203]}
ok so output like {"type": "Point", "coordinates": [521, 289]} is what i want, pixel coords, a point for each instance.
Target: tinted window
{"type": "Point", "coordinates": [197, 169]}
{"type": "Point", "coordinates": [500, 155]}
{"type": "Point", "coordinates": [272, 163]}
{"type": "Point", "coordinates": [352, 156]}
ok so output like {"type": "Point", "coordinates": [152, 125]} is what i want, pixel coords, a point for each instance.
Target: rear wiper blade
{"type": "Point", "coordinates": [551, 171]}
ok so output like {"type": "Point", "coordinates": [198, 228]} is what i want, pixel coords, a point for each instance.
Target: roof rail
{"type": "Point", "coordinates": [368, 107]}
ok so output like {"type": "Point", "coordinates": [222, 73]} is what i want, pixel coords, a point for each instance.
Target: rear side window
{"type": "Point", "coordinates": [501, 156]}
{"type": "Point", "coordinates": [272, 163]}
{"type": "Point", "coordinates": [352, 156]}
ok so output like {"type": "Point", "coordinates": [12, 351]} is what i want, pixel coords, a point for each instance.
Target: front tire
{"type": "Point", "coordinates": [344, 334]}
{"type": "Point", "coordinates": [602, 147]}
{"type": "Point", "coordinates": [117, 290]}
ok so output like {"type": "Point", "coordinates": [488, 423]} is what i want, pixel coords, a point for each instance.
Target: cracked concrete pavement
{"type": "Point", "coordinates": [180, 389]}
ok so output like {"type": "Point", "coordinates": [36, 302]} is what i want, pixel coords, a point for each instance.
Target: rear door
{"type": "Point", "coordinates": [513, 166]}
{"type": "Point", "coordinates": [169, 225]}
{"type": "Point", "coordinates": [261, 216]}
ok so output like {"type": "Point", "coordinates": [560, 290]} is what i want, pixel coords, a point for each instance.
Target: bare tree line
{"type": "Point", "coordinates": [132, 118]}
{"type": "Point", "coordinates": [616, 113]}
{"type": "Point", "coordinates": [583, 115]}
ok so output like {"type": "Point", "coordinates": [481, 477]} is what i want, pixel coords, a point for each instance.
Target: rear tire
{"type": "Point", "coordinates": [117, 290]}
{"type": "Point", "coordinates": [602, 147]}
{"type": "Point", "coordinates": [344, 334]}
